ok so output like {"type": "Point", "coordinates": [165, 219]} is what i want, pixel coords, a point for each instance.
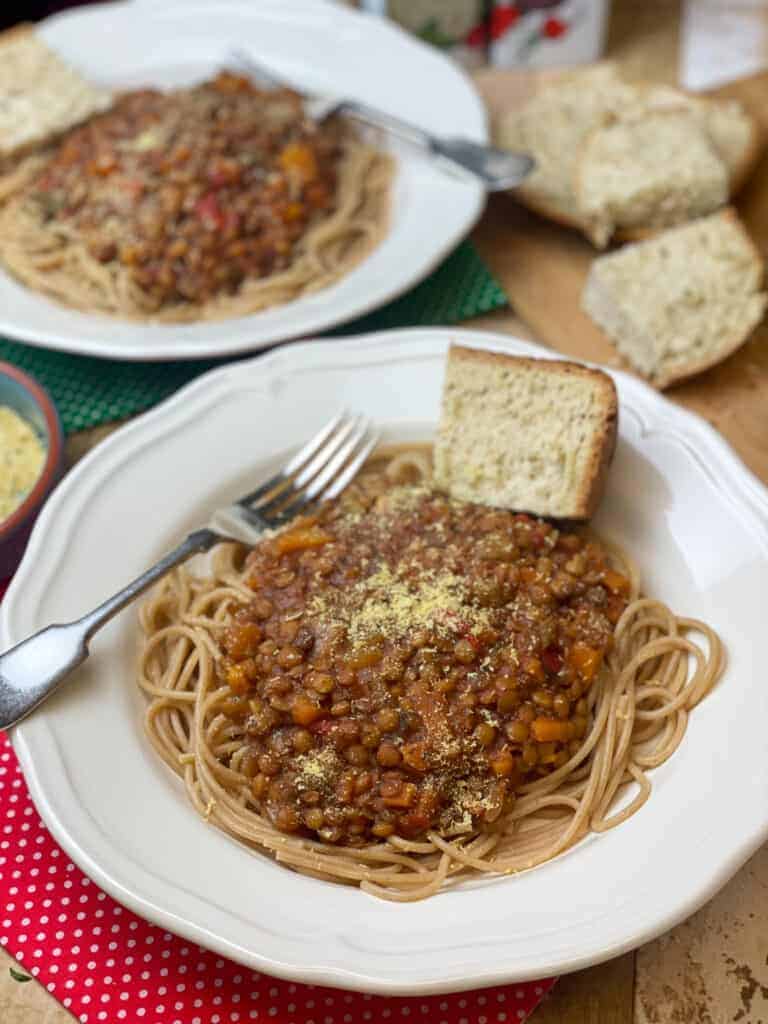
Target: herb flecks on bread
{"type": "Point", "coordinates": [655, 170]}
{"type": "Point", "coordinates": [682, 301]}
{"type": "Point", "coordinates": [41, 96]}
{"type": "Point", "coordinates": [534, 435]}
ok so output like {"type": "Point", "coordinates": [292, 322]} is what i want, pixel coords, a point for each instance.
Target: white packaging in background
{"type": "Point", "coordinates": [547, 33]}
{"type": "Point", "coordinates": [457, 27]}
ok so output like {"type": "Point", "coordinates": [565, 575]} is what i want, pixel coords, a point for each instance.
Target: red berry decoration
{"type": "Point", "coordinates": [476, 36]}
{"type": "Point", "coordinates": [503, 18]}
{"type": "Point", "coordinates": [553, 28]}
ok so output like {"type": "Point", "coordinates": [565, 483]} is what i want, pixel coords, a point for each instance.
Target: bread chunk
{"type": "Point", "coordinates": [41, 96]}
{"type": "Point", "coordinates": [534, 435]}
{"type": "Point", "coordinates": [653, 171]}
{"type": "Point", "coordinates": [682, 301]}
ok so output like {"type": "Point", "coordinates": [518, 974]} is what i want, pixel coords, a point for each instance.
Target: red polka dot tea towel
{"type": "Point", "coordinates": [104, 964]}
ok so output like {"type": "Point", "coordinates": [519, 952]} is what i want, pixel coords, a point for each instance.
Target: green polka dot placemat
{"type": "Point", "coordinates": [89, 391]}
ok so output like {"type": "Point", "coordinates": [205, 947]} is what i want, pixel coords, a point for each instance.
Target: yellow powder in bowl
{"type": "Point", "coordinates": [22, 457]}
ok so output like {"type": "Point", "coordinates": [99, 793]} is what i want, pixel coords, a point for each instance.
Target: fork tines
{"type": "Point", "coordinates": [321, 470]}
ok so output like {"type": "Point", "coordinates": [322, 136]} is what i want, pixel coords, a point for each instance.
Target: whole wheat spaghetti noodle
{"type": "Point", "coordinates": [158, 225]}
{"type": "Point", "coordinates": [659, 667]}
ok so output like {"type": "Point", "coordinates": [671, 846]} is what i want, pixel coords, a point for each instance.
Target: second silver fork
{"type": "Point", "coordinates": [497, 169]}
{"type": "Point", "coordinates": [327, 463]}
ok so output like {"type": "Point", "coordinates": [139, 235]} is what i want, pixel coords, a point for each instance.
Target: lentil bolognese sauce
{"type": "Point", "coordinates": [404, 688]}
{"type": "Point", "coordinates": [199, 203]}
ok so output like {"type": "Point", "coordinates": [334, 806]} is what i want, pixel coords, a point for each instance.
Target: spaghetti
{"type": "Point", "coordinates": [656, 671]}
{"type": "Point", "coordinates": [201, 204]}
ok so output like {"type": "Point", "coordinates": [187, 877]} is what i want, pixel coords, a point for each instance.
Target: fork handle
{"type": "Point", "coordinates": [497, 169]}
{"type": "Point", "coordinates": [390, 123]}
{"type": "Point", "coordinates": [34, 668]}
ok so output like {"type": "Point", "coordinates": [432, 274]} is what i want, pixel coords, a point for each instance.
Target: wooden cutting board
{"type": "Point", "coordinates": [543, 268]}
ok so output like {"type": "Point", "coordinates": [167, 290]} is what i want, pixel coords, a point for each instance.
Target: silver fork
{"type": "Point", "coordinates": [498, 169]}
{"type": "Point", "coordinates": [328, 462]}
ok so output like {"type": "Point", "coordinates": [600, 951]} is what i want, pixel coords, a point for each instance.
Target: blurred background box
{"type": "Point", "coordinates": [543, 33]}
{"type": "Point", "coordinates": [527, 33]}
{"type": "Point", "coordinates": [457, 26]}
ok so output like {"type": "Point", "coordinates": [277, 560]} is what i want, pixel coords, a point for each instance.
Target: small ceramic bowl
{"type": "Point", "coordinates": [25, 396]}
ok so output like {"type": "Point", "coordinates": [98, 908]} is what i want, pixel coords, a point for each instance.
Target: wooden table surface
{"type": "Point", "coordinates": [713, 969]}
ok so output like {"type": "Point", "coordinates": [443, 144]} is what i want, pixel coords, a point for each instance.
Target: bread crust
{"type": "Point", "coordinates": [602, 454]}
{"type": "Point", "coordinates": [10, 35]}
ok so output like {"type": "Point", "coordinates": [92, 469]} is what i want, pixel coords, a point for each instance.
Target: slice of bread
{"type": "Point", "coordinates": [535, 435]}
{"type": "Point", "coordinates": [734, 134]}
{"type": "Point", "coordinates": [554, 125]}
{"type": "Point", "coordinates": [623, 177]}
{"type": "Point", "coordinates": [681, 301]}
{"type": "Point", "coordinates": [41, 96]}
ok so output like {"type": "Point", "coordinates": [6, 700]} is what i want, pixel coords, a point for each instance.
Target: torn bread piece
{"type": "Point", "coordinates": [553, 126]}
{"type": "Point", "coordinates": [41, 96]}
{"type": "Point", "coordinates": [682, 301]}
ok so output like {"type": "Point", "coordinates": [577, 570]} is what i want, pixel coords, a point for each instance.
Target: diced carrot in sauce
{"type": "Point", "coordinates": [300, 539]}
{"type": "Point", "coordinates": [365, 657]}
{"type": "Point", "coordinates": [291, 212]}
{"type": "Point", "coordinates": [305, 711]}
{"type": "Point", "coordinates": [532, 667]}
{"type": "Point", "coordinates": [228, 83]}
{"type": "Point", "coordinates": [550, 730]}
{"type": "Point", "coordinates": [237, 679]}
{"type": "Point", "coordinates": [243, 640]}
{"type": "Point", "coordinates": [104, 164]}
{"type": "Point", "coordinates": [413, 756]}
{"type": "Point", "coordinates": [405, 798]}
{"type": "Point", "coordinates": [299, 159]}
{"type": "Point", "coordinates": [616, 583]}
{"type": "Point", "coordinates": [586, 660]}
{"type": "Point", "coordinates": [503, 764]}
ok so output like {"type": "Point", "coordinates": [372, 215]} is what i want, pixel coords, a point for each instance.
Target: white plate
{"type": "Point", "coordinates": [677, 498]}
{"type": "Point", "coordinates": [326, 47]}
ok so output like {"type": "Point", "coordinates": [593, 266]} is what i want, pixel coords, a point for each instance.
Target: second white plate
{"type": "Point", "coordinates": [326, 47]}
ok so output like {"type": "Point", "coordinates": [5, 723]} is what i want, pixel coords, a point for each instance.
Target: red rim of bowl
{"type": "Point", "coordinates": [53, 455]}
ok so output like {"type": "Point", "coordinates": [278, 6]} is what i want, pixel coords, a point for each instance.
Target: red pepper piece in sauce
{"type": "Point", "coordinates": [322, 726]}
{"type": "Point", "coordinates": [538, 538]}
{"type": "Point", "coordinates": [472, 641]}
{"type": "Point", "coordinates": [552, 660]}
{"type": "Point", "coordinates": [209, 212]}
{"type": "Point", "coordinates": [413, 823]}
